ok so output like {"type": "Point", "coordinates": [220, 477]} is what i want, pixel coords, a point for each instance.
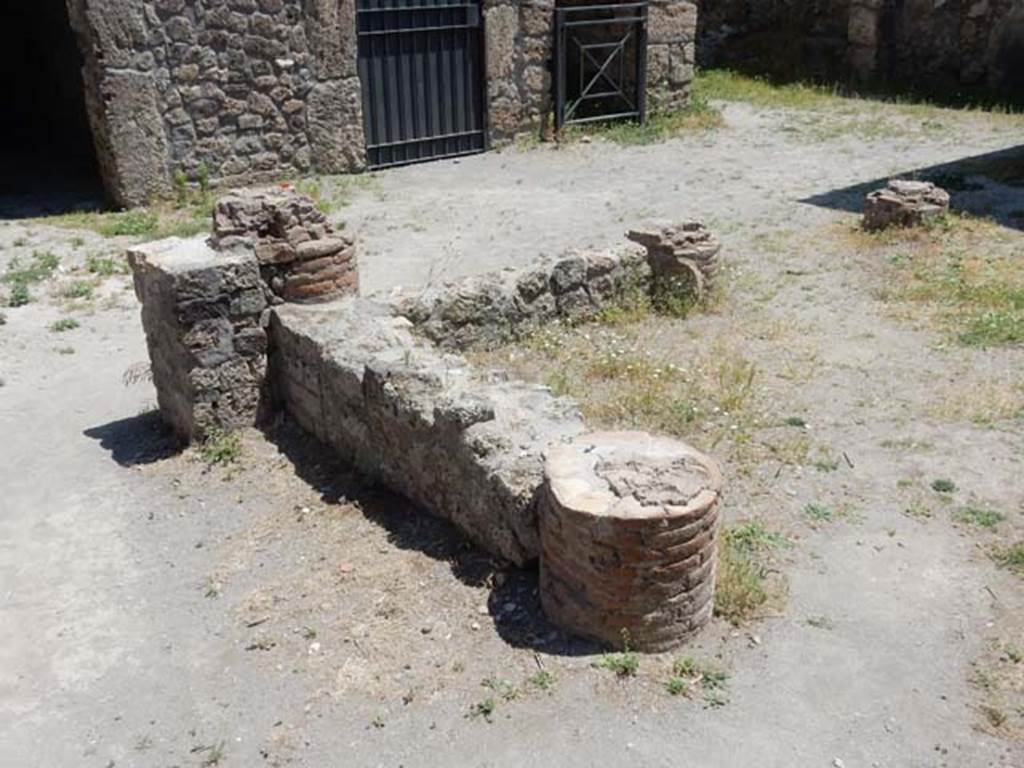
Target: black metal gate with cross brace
{"type": "Point", "coordinates": [600, 62]}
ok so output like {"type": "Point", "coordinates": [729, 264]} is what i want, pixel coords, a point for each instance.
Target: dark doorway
{"type": "Point", "coordinates": [47, 158]}
{"type": "Point", "coordinates": [422, 73]}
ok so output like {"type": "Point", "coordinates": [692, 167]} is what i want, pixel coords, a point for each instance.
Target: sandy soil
{"type": "Point", "coordinates": [155, 611]}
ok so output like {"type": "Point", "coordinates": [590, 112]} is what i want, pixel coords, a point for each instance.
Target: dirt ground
{"type": "Point", "coordinates": [159, 611]}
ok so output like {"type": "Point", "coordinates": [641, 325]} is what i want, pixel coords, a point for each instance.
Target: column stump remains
{"type": "Point", "coordinates": [628, 525]}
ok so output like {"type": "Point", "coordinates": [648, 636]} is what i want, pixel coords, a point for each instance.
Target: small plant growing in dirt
{"type": "Point", "coordinates": [943, 485]}
{"type": "Point", "coordinates": [64, 324]}
{"type": "Point", "coordinates": [80, 289]}
{"type": "Point", "coordinates": [690, 675]}
{"type": "Point", "coordinates": [105, 266]}
{"type": "Point", "coordinates": [484, 708]}
{"type": "Point", "coordinates": [19, 295]}
{"type": "Point", "coordinates": [818, 513]}
{"type": "Point", "coordinates": [543, 680]}
{"type": "Point", "coordinates": [134, 223]}
{"type": "Point", "coordinates": [675, 296]}
{"type": "Point", "coordinates": [979, 516]}
{"type": "Point", "coordinates": [501, 688]}
{"type": "Point", "coordinates": [623, 664]}
{"type": "Point", "coordinates": [742, 585]}
{"type": "Point", "coordinates": [1010, 557]}
{"type": "Point", "coordinates": [820, 622]}
{"type": "Point", "coordinates": [221, 447]}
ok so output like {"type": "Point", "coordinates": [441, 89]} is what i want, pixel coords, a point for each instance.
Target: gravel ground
{"type": "Point", "coordinates": [156, 611]}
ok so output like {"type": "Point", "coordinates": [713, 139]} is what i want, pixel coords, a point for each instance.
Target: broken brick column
{"type": "Point", "coordinates": [628, 525]}
{"type": "Point", "coordinates": [302, 258]}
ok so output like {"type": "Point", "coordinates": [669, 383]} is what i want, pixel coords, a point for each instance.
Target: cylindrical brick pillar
{"type": "Point", "coordinates": [628, 523]}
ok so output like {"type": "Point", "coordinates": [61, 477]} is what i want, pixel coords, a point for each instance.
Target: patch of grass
{"type": "Point", "coordinates": [484, 708]}
{"type": "Point", "coordinates": [19, 295]}
{"type": "Point", "coordinates": [794, 421]}
{"type": "Point", "coordinates": [819, 513]}
{"type": "Point", "coordinates": [79, 289]}
{"type": "Point", "coordinates": [105, 266]}
{"type": "Point", "coordinates": [943, 485]}
{"type": "Point", "coordinates": [689, 675]}
{"type": "Point", "coordinates": [625, 663]}
{"type": "Point", "coordinates": [221, 447]}
{"type": "Point", "coordinates": [979, 516]}
{"type": "Point", "coordinates": [39, 268]}
{"type": "Point", "coordinates": [742, 587]}
{"type": "Point", "coordinates": [966, 274]}
{"type": "Point", "coordinates": [728, 85]}
{"type": "Point", "coordinates": [698, 115]}
{"type": "Point", "coordinates": [504, 689]}
{"type": "Point", "coordinates": [542, 680]}
{"type": "Point", "coordinates": [1010, 557]}
{"type": "Point", "coordinates": [135, 222]}
{"type": "Point", "coordinates": [64, 324]}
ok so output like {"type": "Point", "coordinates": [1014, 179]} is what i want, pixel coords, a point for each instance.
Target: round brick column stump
{"type": "Point", "coordinates": [628, 525]}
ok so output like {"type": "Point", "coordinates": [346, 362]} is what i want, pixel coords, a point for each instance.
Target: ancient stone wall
{"type": "Point", "coordinates": [464, 445]}
{"type": "Point", "coordinates": [497, 307]}
{"type": "Point", "coordinates": [917, 43]}
{"type": "Point", "coordinates": [236, 89]}
{"type": "Point", "coordinates": [239, 90]}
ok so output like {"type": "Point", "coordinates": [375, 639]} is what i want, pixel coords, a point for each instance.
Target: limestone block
{"type": "Point", "coordinates": [628, 526]}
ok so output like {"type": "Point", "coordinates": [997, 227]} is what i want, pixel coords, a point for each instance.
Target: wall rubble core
{"type": "Point", "coordinates": [385, 393]}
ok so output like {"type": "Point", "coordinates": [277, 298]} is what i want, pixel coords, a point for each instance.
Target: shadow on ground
{"type": "Point", "coordinates": [141, 439]}
{"type": "Point", "coordinates": [513, 602]}
{"type": "Point", "coordinates": [990, 185]}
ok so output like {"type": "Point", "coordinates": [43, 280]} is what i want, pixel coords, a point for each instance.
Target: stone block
{"type": "Point", "coordinates": [200, 313]}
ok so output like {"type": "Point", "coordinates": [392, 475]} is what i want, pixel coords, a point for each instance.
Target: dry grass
{"type": "Point", "coordinates": [646, 375]}
{"type": "Point", "coordinates": [980, 400]}
{"type": "Point", "coordinates": [967, 274]}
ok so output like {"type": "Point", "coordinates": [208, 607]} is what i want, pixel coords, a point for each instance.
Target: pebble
{"type": "Point", "coordinates": [475, 625]}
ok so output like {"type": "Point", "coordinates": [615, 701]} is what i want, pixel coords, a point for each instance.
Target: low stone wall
{"type": "Point", "coordinates": [501, 306]}
{"type": "Point", "coordinates": [227, 350]}
{"type": "Point", "coordinates": [207, 349]}
{"type": "Point", "coordinates": [466, 447]}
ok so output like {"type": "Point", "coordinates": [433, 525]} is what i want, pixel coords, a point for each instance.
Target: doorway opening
{"type": "Point", "coordinates": [47, 156]}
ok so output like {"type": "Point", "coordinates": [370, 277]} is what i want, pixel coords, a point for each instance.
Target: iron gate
{"type": "Point", "coordinates": [422, 74]}
{"type": "Point", "coordinates": [600, 62]}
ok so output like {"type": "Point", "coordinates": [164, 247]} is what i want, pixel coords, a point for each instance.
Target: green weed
{"type": "Point", "coordinates": [64, 324]}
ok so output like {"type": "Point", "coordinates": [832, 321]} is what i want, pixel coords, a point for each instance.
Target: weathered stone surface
{"type": "Point", "coordinates": [628, 526]}
{"type": "Point", "coordinates": [200, 312]}
{"type": "Point", "coordinates": [497, 307]}
{"type": "Point", "coordinates": [683, 248]}
{"type": "Point", "coordinates": [169, 85]}
{"type": "Point", "coordinates": [905, 204]}
{"type": "Point", "coordinates": [420, 421]}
